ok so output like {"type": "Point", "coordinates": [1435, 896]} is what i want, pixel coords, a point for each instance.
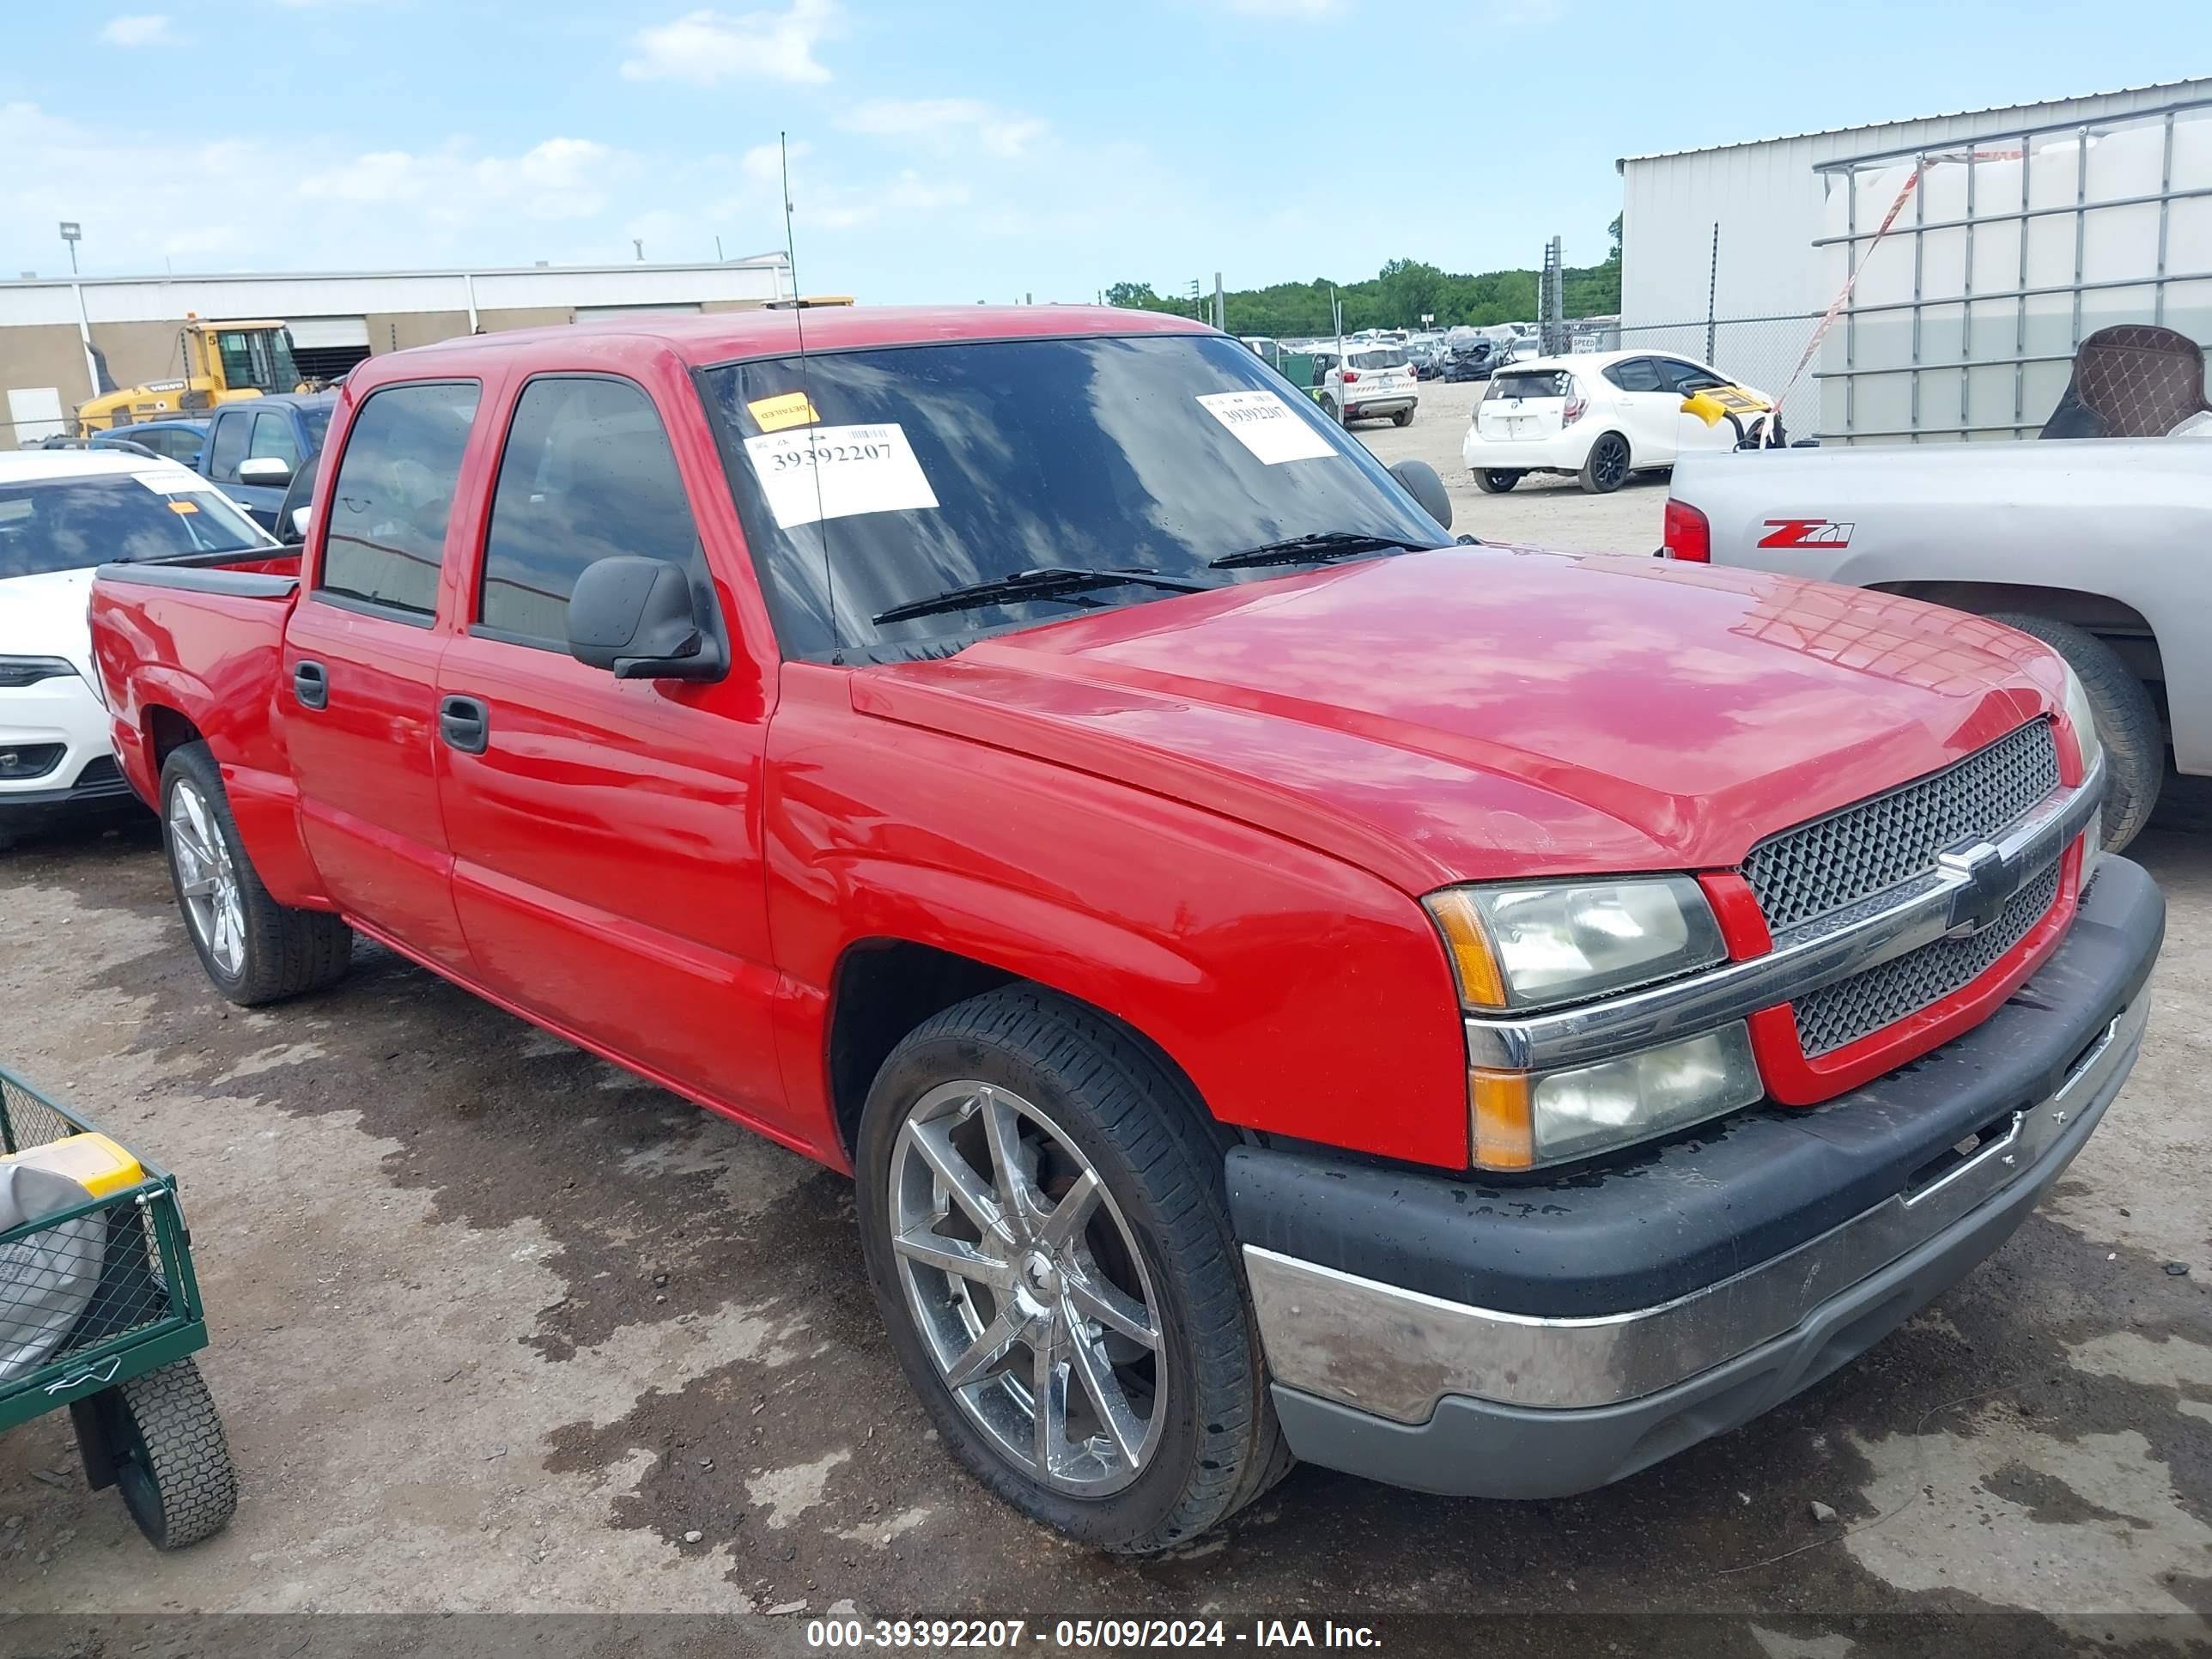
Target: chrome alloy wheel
{"type": "Point", "coordinates": [207, 881]}
{"type": "Point", "coordinates": [1028, 1289]}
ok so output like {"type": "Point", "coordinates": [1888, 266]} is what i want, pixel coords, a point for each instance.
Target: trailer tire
{"type": "Point", "coordinates": [254, 949]}
{"type": "Point", "coordinates": [172, 1463]}
{"type": "Point", "coordinates": [2127, 722]}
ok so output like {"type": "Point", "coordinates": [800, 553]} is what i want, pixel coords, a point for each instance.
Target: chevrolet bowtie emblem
{"type": "Point", "coordinates": [1984, 887]}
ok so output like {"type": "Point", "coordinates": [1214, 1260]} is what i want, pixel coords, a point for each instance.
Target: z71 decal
{"type": "Point", "coordinates": [1806, 533]}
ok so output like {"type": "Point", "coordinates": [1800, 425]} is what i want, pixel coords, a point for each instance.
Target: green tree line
{"type": "Point", "coordinates": [1397, 296]}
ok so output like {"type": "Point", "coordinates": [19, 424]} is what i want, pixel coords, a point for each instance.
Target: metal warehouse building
{"type": "Point", "coordinates": [336, 319]}
{"type": "Point", "coordinates": [2012, 233]}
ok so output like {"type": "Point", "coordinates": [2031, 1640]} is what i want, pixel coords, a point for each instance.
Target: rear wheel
{"type": "Point", "coordinates": [1606, 467]}
{"type": "Point", "coordinates": [1403, 417]}
{"type": "Point", "coordinates": [2127, 722]}
{"type": "Point", "coordinates": [1496, 480]}
{"type": "Point", "coordinates": [1042, 1216]}
{"type": "Point", "coordinates": [254, 949]}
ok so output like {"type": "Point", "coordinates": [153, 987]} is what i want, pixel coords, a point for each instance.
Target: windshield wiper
{"type": "Point", "coordinates": [1050, 582]}
{"type": "Point", "coordinates": [1326, 544]}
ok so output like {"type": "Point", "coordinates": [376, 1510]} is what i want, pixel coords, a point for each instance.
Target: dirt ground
{"type": "Point", "coordinates": [1541, 511]}
{"type": "Point", "coordinates": [498, 1328]}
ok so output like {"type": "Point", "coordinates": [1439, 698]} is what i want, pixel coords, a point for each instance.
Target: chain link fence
{"type": "Point", "coordinates": [1759, 352]}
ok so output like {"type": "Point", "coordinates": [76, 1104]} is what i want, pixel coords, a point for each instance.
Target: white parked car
{"type": "Point", "coordinates": [1373, 383]}
{"type": "Point", "coordinates": [62, 513]}
{"type": "Point", "coordinates": [1601, 415]}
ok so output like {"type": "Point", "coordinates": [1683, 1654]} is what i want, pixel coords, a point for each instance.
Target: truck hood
{"type": "Point", "coordinates": [1487, 712]}
{"type": "Point", "coordinates": [44, 616]}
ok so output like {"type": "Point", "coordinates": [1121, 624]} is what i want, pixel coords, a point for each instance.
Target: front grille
{"type": "Point", "coordinates": [1856, 852]}
{"type": "Point", "coordinates": [1842, 1013]}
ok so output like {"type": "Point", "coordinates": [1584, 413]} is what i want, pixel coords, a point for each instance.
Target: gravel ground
{"type": "Point", "coordinates": [499, 1328]}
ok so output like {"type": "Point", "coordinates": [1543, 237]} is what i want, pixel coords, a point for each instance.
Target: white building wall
{"type": "Point", "coordinates": [1771, 207]}
{"type": "Point", "coordinates": [156, 299]}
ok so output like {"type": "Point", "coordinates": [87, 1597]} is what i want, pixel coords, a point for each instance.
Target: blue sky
{"type": "Point", "coordinates": [959, 153]}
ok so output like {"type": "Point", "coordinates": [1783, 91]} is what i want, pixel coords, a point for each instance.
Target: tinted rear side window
{"type": "Point", "coordinates": [394, 494]}
{"type": "Point", "coordinates": [587, 474]}
{"type": "Point", "coordinates": [1634, 374]}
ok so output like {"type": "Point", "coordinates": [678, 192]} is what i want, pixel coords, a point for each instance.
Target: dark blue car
{"type": "Point", "coordinates": [178, 439]}
{"type": "Point", "coordinates": [256, 446]}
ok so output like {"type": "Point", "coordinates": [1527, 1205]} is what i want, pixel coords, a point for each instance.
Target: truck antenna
{"type": "Point", "coordinates": [806, 392]}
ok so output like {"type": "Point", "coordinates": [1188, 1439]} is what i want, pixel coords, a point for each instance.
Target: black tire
{"type": "Point", "coordinates": [1146, 1136]}
{"type": "Point", "coordinates": [286, 951]}
{"type": "Point", "coordinates": [2127, 722]}
{"type": "Point", "coordinates": [172, 1463]}
{"type": "Point", "coordinates": [1329, 408]}
{"type": "Point", "coordinates": [1403, 417]}
{"type": "Point", "coordinates": [1496, 480]}
{"type": "Point", "coordinates": [1606, 467]}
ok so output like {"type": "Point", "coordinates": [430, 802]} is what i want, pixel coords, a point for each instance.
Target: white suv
{"type": "Point", "coordinates": [1373, 383]}
{"type": "Point", "coordinates": [1602, 414]}
{"type": "Point", "coordinates": [62, 513]}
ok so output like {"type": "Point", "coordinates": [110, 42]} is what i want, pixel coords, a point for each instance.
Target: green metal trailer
{"type": "Point", "coordinates": [145, 1422]}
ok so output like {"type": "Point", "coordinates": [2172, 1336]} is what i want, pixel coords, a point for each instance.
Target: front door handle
{"type": "Point", "coordinates": [311, 684]}
{"type": "Point", "coordinates": [464, 723]}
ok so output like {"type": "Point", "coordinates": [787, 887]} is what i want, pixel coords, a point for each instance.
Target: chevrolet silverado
{"type": "Point", "coordinates": [1284, 983]}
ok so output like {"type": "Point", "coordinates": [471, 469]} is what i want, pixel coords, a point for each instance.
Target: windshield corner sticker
{"type": "Point", "coordinates": [172, 481]}
{"type": "Point", "coordinates": [786, 408]}
{"type": "Point", "coordinates": [1264, 424]}
{"type": "Point", "coordinates": [837, 472]}
{"type": "Point", "coordinates": [1806, 533]}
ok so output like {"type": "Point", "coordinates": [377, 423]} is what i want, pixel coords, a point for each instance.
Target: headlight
{"type": "Point", "coordinates": [2082, 718]}
{"type": "Point", "coordinates": [1532, 946]}
{"type": "Point", "coordinates": [16, 672]}
{"type": "Point", "coordinates": [1521, 1121]}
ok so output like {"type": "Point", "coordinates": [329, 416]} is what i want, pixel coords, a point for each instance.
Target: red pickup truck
{"type": "Point", "coordinates": [1286, 983]}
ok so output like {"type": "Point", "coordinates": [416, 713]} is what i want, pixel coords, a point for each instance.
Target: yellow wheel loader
{"type": "Point", "coordinates": [221, 362]}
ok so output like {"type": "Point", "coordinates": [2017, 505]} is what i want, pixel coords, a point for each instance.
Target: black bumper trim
{"type": "Point", "coordinates": [1672, 1219]}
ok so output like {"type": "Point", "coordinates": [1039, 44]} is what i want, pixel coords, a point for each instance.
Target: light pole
{"type": "Point", "coordinates": [72, 232]}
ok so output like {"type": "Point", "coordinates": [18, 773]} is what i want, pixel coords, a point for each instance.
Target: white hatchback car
{"type": "Point", "coordinates": [1375, 382]}
{"type": "Point", "coordinates": [1601, 415]}
{"type": "Point", "coordinates": [62, 513]}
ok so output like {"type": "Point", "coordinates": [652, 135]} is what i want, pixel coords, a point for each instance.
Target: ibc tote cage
{"type": "Point", "coordinates": [1975, 267]}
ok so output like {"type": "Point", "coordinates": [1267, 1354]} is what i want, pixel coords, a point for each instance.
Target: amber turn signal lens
{"type": "Point", "coordinates": [1502, 1123]}
{"type": "Point", "coordinates": [1476, 970]}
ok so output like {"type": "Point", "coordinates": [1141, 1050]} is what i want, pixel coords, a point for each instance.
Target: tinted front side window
{"type": "Point", "coordinates": [1687, 378]}
{"type": "Point", "coordinates": [394, 494]}
{"type": "Point", "coordinates": [229, 448]}
{"type": "Point", "coordinates": [586, 475]}
{"type": "Point", "coordinates": [942, 466]}
{"type": "Point", "coordinates": [273, 439]}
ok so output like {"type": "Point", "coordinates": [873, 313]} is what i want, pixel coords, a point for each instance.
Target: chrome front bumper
{"type": "Point", "coordinates": [1396, 1354]}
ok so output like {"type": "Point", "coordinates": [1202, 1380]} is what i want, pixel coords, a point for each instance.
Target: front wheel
{"type": "Point", "coordinates": [1604, 468]}
{"type": "Point", "coordinates": [1496, 480]}
{"type": "Point", "coordinates": [1042, 1215]}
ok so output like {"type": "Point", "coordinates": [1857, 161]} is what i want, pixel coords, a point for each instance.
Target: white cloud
{"type": "Point", "coordinates": [142, 29]}
{"type": "Point", "coordinates": [948, 122]}
{"type": "Point", "coordinates": [559, 178]}
{"type": "Point", "coordinates": [707, 48]}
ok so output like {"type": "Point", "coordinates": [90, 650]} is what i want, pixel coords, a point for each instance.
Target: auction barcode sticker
{"type": "Point", "coordinates": [1266, 425]}
{"type": "Point", "coordinates": [835, 472]}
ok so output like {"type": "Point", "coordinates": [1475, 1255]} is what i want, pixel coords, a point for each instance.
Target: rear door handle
{"type": "Point", "coordinates": [464, 723]}
{"type": "Point", "coordinates": [311, 684]}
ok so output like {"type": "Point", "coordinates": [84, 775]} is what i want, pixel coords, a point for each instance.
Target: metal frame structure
{"type": "Point", "coordinates": [1923, 157]}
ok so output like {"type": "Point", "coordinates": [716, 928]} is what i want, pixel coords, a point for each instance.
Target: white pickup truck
{"type": "Point", "coordinates": [2102, 548]}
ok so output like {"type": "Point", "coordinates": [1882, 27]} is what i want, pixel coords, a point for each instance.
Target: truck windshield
{"type": "Point", "coordinates": [260, 358]}
{"type": "Point", "coordinates": [68, 524]}
{"type": "Point", "coordinates": [870, 480]}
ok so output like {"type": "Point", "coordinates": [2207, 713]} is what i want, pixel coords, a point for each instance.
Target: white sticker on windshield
{"type": "Point", "coordinates": [835, 472]}
{"type": "Point", "coordinates": [172, 481]}
{"type": "Point", "coordinates": [1264, 424]}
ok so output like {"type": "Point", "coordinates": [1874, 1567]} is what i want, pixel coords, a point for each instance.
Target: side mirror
{"type": "Point", "coordinates": [303, 521]}
{"type": "Point", "coordinates": [1423, 484]}
{"type": "Point", "coordinates": [635, 618]}
{"type": "Point", "coordinates": [266, 471]}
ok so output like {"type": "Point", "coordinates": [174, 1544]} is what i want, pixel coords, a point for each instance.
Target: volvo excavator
{"type": "Point", "coordinates": [221, 362]}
